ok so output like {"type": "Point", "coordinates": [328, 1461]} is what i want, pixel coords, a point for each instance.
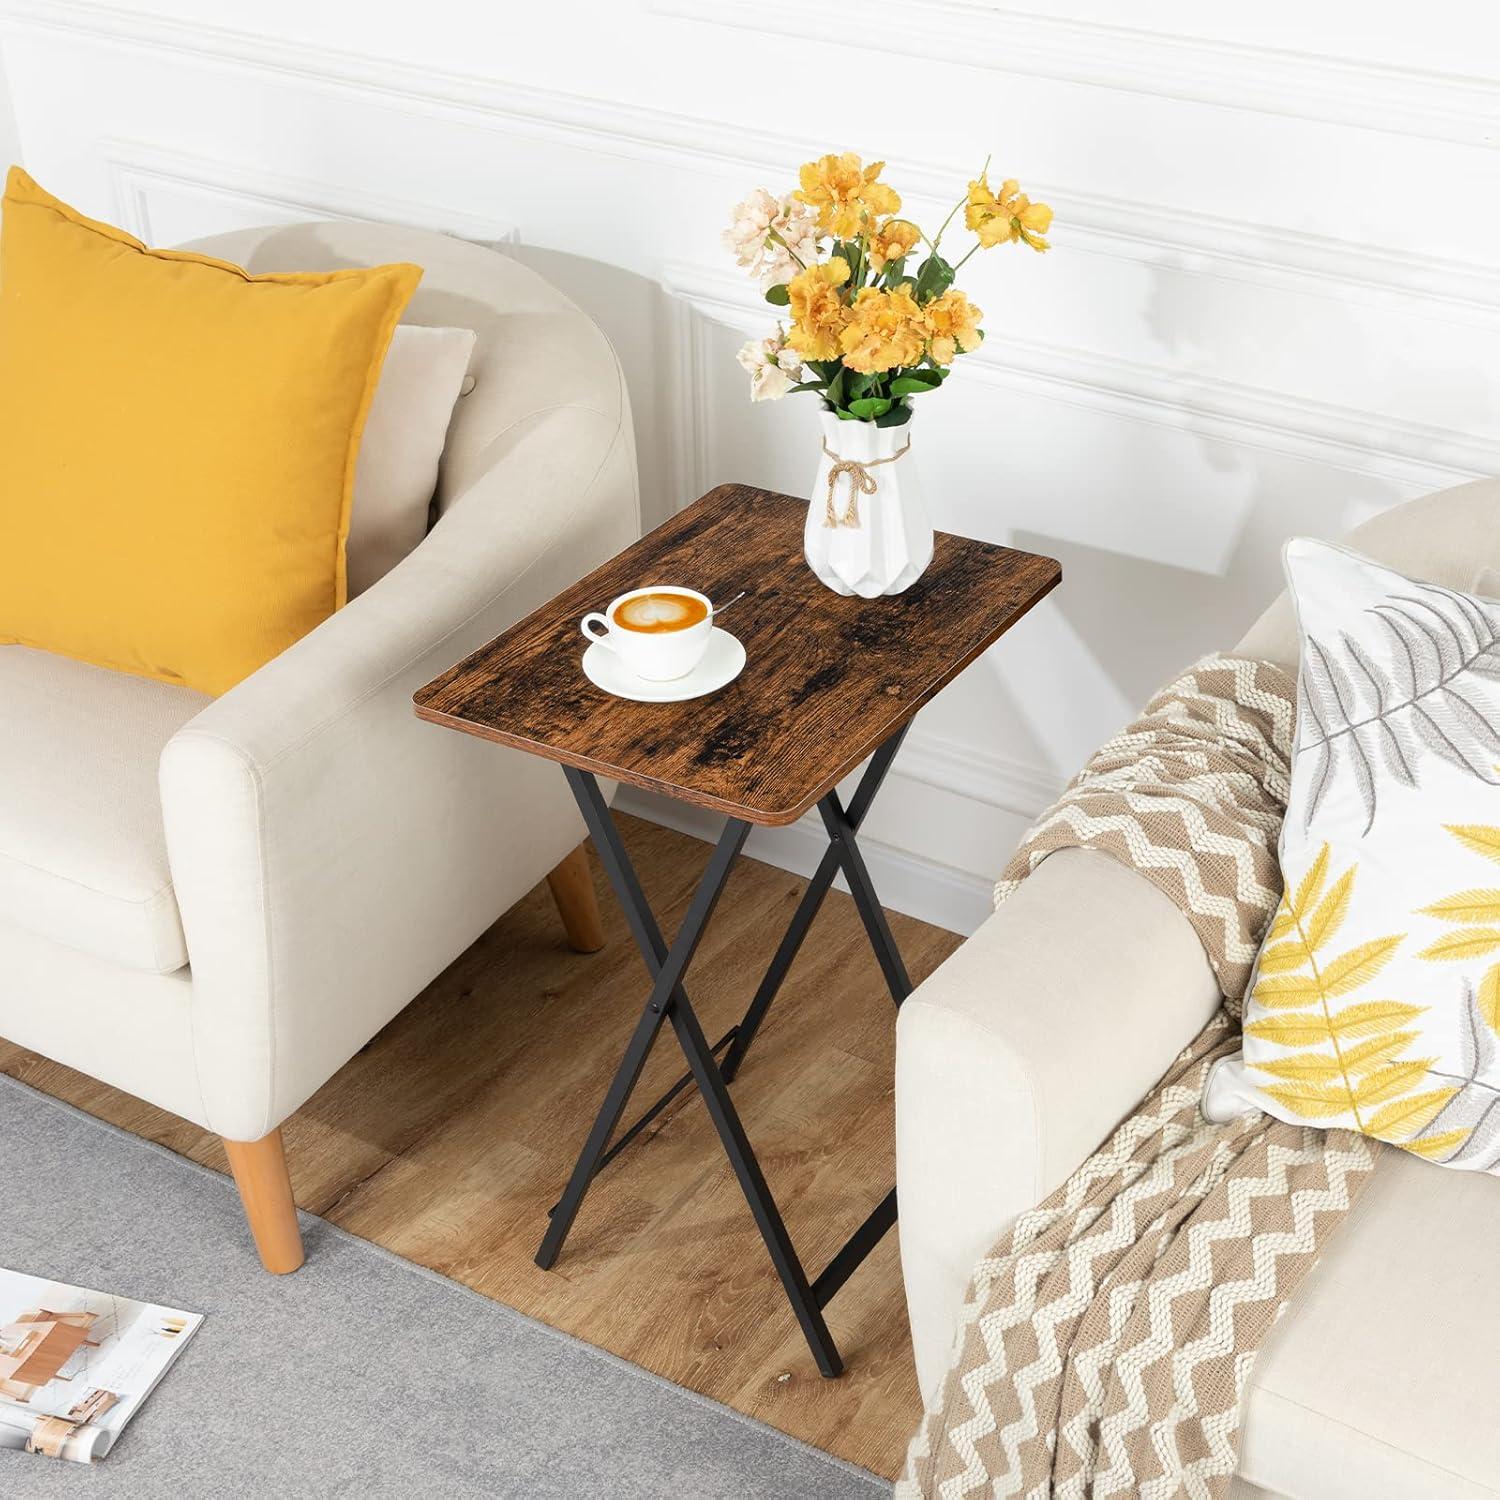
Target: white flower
{"type": "Point", "coordinates": [774, 369]}
{"type": "Point", "coordinates": [772, 238]}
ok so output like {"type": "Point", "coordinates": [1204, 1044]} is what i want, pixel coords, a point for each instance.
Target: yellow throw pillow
{"type": "Point", "coordinates": [177, 444]}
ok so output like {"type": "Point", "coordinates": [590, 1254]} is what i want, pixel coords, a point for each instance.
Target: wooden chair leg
{"type": "Point", "coordinates": [260, 1173]}
{"type": "Point", "coordinates": [572, 885]}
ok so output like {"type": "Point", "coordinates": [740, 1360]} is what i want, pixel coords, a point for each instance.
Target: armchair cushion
{"type": "Point", "coordinates": [83, 855]}
{"type": "Point", "coordinates": [397, 476]}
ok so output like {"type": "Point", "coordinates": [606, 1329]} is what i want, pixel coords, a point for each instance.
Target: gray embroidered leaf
{"type": "Point", "coordinates": [1476, 1106]}
{"type": "Point", "coordinates": [1445, 628]}
{"type": "Point", "coordinates": [1417, 640]}
{"type": "Point", "coordinates": [1376, 715]}
{"type": "Point", "coordinates": [1470, 717]}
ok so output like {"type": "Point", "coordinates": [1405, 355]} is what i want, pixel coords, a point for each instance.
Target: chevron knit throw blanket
{"type": "Point", "coordinates": [1106, 1341]}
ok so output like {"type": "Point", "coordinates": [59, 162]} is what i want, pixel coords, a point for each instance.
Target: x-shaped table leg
{"type": "Point", "coordinates": [669, 1002]}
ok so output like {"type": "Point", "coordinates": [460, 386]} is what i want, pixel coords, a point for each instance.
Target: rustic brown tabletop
{"type": "Point", "coordinates": [827, 679]}
{"type": "Point", "coordinates": [828, 682]}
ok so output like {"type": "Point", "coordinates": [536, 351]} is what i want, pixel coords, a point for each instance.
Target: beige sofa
{"type": "Point", "coordinates": [1038, 1036]}
{"type": "Point", "coordinates": [213, 904]}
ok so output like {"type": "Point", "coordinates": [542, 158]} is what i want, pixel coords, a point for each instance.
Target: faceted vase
{"type": "Point", "coordinates": [880, 540]}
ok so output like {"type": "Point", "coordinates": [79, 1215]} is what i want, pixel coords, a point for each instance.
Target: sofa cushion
{"type": "Point", "coordinates": [1378, 1381]}
{"type": "Point", "coordinates": [83, 859]}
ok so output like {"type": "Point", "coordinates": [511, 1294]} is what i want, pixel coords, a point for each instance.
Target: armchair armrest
{"type": "Point", "coordinates": [331, 853]}
{"type": "Point", "coordinates": [1020, 1054]}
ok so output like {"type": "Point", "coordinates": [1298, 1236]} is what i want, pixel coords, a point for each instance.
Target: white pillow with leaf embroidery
{"type": "Point", "coordinates": [1375, 1002]}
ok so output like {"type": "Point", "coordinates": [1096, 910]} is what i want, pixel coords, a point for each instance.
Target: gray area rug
{"type": "Point", "coordinates": [360, 1375]}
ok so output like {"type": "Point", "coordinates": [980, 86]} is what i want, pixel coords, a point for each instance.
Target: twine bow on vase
{"type": "Point", "coordinates": [861, 481]}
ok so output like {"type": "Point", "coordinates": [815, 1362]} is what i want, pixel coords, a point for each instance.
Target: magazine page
{"type": "Point", "coordinates": [75, 1365]}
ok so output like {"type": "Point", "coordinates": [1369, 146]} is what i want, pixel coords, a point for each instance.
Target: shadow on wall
{"type": "Point", "coordinates": [1144, 619]}
{"type": "Point", "coordinates": [638, 318]}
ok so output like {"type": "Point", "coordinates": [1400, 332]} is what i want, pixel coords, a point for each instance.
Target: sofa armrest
{"type": "Point", "coordinates": [1019, 1055]}
{"type": "Point", "coordinates": [331, 853]}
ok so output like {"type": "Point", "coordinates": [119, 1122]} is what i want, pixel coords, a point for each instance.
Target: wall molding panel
{"type": "Point", "coordinates": [137, 169]}
{"type": "Point", "coordinates": [1196, 69]}
{"type": "Point", "coordinates": [1362, 442]}
{"type": "Point", "coordinates": [1190, 243]}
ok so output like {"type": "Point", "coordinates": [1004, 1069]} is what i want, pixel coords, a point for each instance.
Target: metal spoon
{"type": "Point", "coordinates": [719, 609]}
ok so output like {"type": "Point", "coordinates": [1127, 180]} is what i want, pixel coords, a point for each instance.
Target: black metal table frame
{"type": "Point", "coordinates": [668, 1002]}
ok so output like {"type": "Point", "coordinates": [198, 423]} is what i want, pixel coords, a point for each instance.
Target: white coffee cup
{"type": "Point", "coordinates": [657, 650]}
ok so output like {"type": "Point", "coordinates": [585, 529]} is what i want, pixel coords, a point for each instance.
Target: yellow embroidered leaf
{"type": "Point", "coordinates": [1311, 1028]}
{"type": "Point", "coordinates": [1394, 1078]}
{"type": "Point", "coordinates": [1489, 997]}
{"type": "Point", "coordinates": [1482, 838]}
{"type": "Point", "coordinates": [1435, 1145]}
{"type": "Point", "coordinates": [1306, 1029]}
{"type": "Point", "coordinates": [1283, 924]}
{"type": "Point", "coordinates": [1286, 992]}
{"type": "Point", "coordinates": [1313, 1067]}
{"type": "Point", "coordinates": [1467, 942]}
{"type": "Point", "coordinates": [1312, 1101]}
{"type": "Point", "coordinates": [1281, 958]}
{"type": "Point", "coordinates": [1477, 905]}
{"type": "Point", "coordinates": [1360, 965]}
{"type": "Point", "coordinates": [1311, 884]}
{"type": "Point", "coordinates": [1370, 1055]}
{"type": "Point", "coordinates": [1405, 1117]}
{"type": "Point", "coordinates": [1330, 911]}
{"type": "Point", "coordinates": [1372, 1016]}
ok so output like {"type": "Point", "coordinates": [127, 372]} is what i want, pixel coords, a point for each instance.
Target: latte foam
{"type": "Point", "coordinates": [656, 612]}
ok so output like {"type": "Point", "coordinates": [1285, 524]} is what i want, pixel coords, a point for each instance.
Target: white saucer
{"type": "Point", "coordinates": [722, 663]}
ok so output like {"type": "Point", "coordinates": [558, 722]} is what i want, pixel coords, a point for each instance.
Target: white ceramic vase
{"type": "Point", "coordinates": [880, 541]}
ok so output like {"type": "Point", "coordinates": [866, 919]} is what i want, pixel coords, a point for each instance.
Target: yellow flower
{"type": "Point", "coordinates": [885, 329]}
{"type": "Point", "coordinates": [818, 312]}
{"type": "Point", "coordinates": [952, 327]}
{"type": "Point", "coordinates": [999, 218]}
{"type": "Point", "coordinates": [845, 193]}
{"type": "Point", "coordinates": [891, 240]}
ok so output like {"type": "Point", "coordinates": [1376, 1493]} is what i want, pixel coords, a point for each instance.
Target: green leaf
{"type": "Point", "coordinates": [934, 278]}
{"type": "Point", "coordinates": [898, 416]}
{"type": "Point", "coordinates": [856, 385]}
{"type": "Point", "coordinates": [835, 392]}
{"type": "Point", "coordinates": [893, 271]}
{"type": "Point", "coordinates": [870, 407]}
{"type": "Point", "coordinates": [778, 296]}
{"type": "Point", "coordinates": [912, 385]}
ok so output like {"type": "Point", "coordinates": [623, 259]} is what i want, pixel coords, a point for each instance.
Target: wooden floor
{"type": "Point", "coordinates": [447, 1138]}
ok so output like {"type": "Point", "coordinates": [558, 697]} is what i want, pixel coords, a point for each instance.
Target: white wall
{"type": "Point", "coordinates": [1273, 306]}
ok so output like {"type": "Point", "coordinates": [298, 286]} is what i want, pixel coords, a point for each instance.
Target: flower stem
{"type": "Point", "coordinates": [933, 243]}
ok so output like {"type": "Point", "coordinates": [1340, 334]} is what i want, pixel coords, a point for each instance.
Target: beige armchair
{"type": "Point", "coordinates": [1022, 1052]}
{"type": "Point", "coordinates": [212, 904]}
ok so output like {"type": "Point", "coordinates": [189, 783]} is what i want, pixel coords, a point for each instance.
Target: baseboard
{"type": "Point", "coordinates": [921, 888]}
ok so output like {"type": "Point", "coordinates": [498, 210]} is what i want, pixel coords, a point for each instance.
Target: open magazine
{"type": "Point", "coordinates": [76, 1365]}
